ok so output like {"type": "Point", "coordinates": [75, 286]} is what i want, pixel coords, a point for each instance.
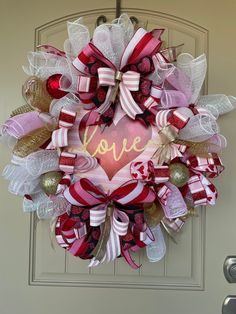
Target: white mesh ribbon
{"type": "Point", "coordinates": [127, 27]}
{"type": "Point", "coordinates": [24, 173]}
{"type": "Point", "coordinates": [195, 69]}
{"type": "Point", "coordinates": [69, 102]}
{"type": "Point", "coordinates": [162, 71]}
{"type": "Point", "coordinates": [111, 39]}
{"type": "Point", "coordinates": [217, 104]}
{"type": "Point", "coordinates": [78, 38]}
{"type": "Point", "coordinates": [43, 64]}
{"type": "Point", "coordinates": [21, 183]}
{"type": "Point", "coordinates": [199, 128]}
{"type": "Point", "coordinates": [156, 250]}
{"type": "Point", "coordinates": [38, 162]}
{"type": "Point", "coordinates": [46, 207]}
{"type": "Point", "coordinates": [218, 142]}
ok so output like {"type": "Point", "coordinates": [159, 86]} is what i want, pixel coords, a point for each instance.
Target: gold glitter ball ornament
{"type": "Point", "coordinates": [49, 182]}
{"type": "Point", "coordinates": [179, 174]}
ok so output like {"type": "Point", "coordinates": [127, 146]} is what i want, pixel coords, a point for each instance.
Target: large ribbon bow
{"type": "Point", "coordinates": [107, 211]}
{"type": "Point", "coordinates": [123, 83]}
{"type": "Point", "coordinates": [143, 44]}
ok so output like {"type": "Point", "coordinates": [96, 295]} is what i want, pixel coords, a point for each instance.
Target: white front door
{"type": "Point", "coordinates": [36, 279]}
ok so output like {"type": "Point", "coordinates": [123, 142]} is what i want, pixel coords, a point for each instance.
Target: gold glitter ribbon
{"type": "Point", "coordinates": [32, 141]}
{"type": "Point", "coordinates": [167, 136]}
{"type": "Point", "coordinates": [201, 149]}
{"type": "Point", "coordinates": [21, 109]}
{"type": "Point", "coordinates": [100, 249]}
{"type": "Point", "coordinates": [35, 94]}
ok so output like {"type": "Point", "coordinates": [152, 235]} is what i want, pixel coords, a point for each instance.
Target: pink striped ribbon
{"type": "Point", "coordinates": [129, 81]}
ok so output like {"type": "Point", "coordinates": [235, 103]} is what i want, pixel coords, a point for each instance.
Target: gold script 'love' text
{"type": "Point", "coordinates": [104, 147]}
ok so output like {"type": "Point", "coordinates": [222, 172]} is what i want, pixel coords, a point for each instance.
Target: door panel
{"type": "Point", "coordinates": [196, 262]}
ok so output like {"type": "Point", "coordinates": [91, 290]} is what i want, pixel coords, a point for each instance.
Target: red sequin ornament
{"type": "Point", "coordinates": [53, 86]}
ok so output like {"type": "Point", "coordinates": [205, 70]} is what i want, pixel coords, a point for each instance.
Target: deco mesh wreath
{"type": "Point", "coordinates": [115, 144]}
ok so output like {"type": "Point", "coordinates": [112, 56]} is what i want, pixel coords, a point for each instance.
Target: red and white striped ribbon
{"type": "Point", "coordinates": [142, 44]}
{"type": "Point", "coordinates": [161, 174]}
{"type": "Point", "coordinates": [177, 118]}
{"type": "Point", "coordinates": [85, 193]}
{"type": "Point", "coordinates": [156, 92]}
{"type": "Point", "coordinates": [70, 163]}
{"type": "Point", "coordinates": [66, 121]}
{"type": "Point", "coordinates": [202, 190]}
{"type": "Point", "coordinates": [70, 234]}
{"type": "Point", "coordinates": [85, 56]}
{"type": "Point", "coordinates": [211, 165]}
{"type": "Point", "coordinates": [197, 190]}
{"type": "Point", "coordinates": [64, 183]}
{"type": "Point", "coordinates": [151, 105]}
{"type": "Point", "coordinates": [67, 162]}
{"type": "Point", "coordinates": [163, 193]}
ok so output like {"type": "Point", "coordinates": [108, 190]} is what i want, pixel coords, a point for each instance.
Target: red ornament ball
{"type": "Point", "coordinates": [53, 86]}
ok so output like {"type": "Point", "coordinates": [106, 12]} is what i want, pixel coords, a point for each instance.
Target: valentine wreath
{"type": "Point", "coordinates": [115, 143]}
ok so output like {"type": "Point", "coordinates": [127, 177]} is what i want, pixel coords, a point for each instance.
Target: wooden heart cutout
{"type": "Point", "coordinates": [116, 145]}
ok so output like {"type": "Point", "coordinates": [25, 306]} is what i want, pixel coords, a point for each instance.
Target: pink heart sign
{"type": "Point", "coordinates": [116, 145]}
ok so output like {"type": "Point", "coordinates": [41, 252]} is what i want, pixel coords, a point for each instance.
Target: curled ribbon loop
{"type": "Point", "coordinates": [70, 163]}
{"type": "Point", "coordinates": [203, 192]}
{"type": "Point", "coordinates": [66, 122]}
